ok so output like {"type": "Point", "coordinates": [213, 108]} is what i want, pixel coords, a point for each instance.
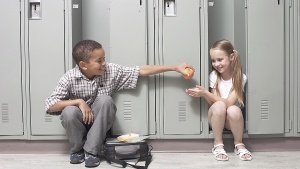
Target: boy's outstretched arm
{"type": "Point", "coordinates": [147, 70]}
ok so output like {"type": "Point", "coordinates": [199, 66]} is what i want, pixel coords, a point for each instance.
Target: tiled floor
{"type": "Point", "coordinates": [261, 160]}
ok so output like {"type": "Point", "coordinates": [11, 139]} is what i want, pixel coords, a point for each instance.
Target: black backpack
{"type": "Point", "coordinates": [128, 153]}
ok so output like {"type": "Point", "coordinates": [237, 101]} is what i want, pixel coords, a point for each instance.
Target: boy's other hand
{"type": "Point", "coordinates": [88, 116]}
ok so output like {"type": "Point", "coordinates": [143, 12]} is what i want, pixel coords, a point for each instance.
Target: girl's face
{"type": "Point", "coordinates": [221, 61]}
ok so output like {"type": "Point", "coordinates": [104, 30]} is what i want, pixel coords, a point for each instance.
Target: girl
{"type": "Point", "coordinates": [225, 99]}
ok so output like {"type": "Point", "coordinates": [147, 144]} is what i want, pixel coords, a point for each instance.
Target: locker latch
{"type": "Point", "coordinates": [35, 10]}
{"type": "Point", "coordinates": [170, 7]}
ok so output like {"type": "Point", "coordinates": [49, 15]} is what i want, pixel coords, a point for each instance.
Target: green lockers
{"type": "Point", "coordinates": [11, 69]}
{"type": "Point", "coordinates": [180, 42]}
{"type": "Point", "coordinates": [149, 32]}
{"type": "Point", "coordinates": [256, 29]}
{"type": "Point", "coordinates": [121, 27]}
{"type": "Point", "coordinates": [128, 25]}
{"type": "Point", "coordinates": [46, 53]}
{"type": "Point", "coordinates": [297, 43]}
{"type": "Point", "coordinates": [265, 66]}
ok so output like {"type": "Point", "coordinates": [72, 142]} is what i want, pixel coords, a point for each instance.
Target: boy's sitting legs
{"type": "Point", "coordinates": [71, 119]}
{"type": "Point", "coordinates": [79, 134]}
{"type": "Point", "coordinates": [104, 111]}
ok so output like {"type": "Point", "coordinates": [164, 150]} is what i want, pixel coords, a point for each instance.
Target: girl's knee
{"type": "Point", "coordinates": [234, 112]}
{"type": "Point", "coordinates": [219, 107]}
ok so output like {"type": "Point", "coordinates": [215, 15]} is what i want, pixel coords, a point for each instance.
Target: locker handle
{"type": "Point", "coordinates": [35, 9]}
{"type": "Point", "coordinates": [278, 2]}
{"type": "Point", "coordinates": [141, 2]}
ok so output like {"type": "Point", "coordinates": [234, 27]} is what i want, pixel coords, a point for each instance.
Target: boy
{"type": "Point", "coordinates": [83, 96]}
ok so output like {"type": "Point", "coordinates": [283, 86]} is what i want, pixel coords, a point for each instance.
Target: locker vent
{"type": "Point", "coordinates": [48, 118]}
{"type": "Point", "coordinates": [127, 110]}
{"type": "Point", "coordinates": [264, 109]}
{"type": "Point", "coordinates": [4, 111]}
{"type": "Point", "coordinates": [182, 111]}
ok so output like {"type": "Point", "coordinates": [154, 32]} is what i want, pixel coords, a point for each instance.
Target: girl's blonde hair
{"type": "Point", "coordinates": [237, 76]}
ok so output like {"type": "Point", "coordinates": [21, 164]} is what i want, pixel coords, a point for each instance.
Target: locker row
{"type": "Point", "coordinates": [37, 37]}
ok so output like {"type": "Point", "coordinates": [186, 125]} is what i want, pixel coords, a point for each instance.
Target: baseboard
{"type": "Point", "coordinates": [159, 145]}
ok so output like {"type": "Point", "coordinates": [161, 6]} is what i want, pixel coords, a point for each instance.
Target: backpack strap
{"type": "Point", "coordinates": [124, 163]}
{"type": "Point", "coordinates": [148, 160]}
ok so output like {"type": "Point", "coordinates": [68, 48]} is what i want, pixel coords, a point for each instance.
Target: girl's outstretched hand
{"type": "Point", "coordinates": [197, 91]}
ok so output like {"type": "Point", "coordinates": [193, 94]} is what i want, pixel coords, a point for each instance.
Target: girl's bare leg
{"type": "Point", "coordinates": [235, 123]}
{"type": "Point", "coordinates": [216, 119]}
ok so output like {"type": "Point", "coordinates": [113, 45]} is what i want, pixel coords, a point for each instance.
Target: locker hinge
{"type": "Point", "coordinates": [246, 3]}
{"type": "Point", "coordinates": [291, 3]}
{"type": "Point", "coordinates": [291, 124]}
{"type": "Point", "coordinates": [201, 126]}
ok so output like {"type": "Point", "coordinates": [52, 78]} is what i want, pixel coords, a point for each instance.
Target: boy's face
{"type": "Point", "coordinates": [96, 64]}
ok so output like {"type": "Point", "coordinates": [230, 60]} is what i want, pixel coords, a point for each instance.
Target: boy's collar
{"type": "Point", "coordinates": [79, 74]}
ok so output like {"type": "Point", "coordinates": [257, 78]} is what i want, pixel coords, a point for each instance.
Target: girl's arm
{"type": "Point", "coordinates": [212, 97]}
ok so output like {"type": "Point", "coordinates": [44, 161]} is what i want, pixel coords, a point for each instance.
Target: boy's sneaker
{"type": "Point", "coordinates": [91, 160]}
{"type": "Point", "coordinates": [77, 158]}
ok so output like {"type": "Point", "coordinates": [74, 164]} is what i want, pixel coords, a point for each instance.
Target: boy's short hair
{"type": "Point", "coordinates": [83, 49]}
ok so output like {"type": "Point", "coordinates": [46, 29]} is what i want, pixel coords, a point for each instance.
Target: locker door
{"type": "Point", "coordinates": [265, 66]}
{"type": "Point", "coordinates": [11, 115]}
{"type": "Point", "coordinates": [221, 20]}
{"type": "Point", "coordinates": [46, 64]}
{"type": "Point", "coordinates": [128, 47]}
{"type": "Point", "coordinates": [298, 52]}
{"type": "Point", "coordinates": [181, 43]}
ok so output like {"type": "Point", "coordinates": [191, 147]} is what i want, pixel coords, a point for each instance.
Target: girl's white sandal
{"type": "Point", "coordinates": [217, 152]}
{"type": "Point", "coordinates": [242, 151]}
